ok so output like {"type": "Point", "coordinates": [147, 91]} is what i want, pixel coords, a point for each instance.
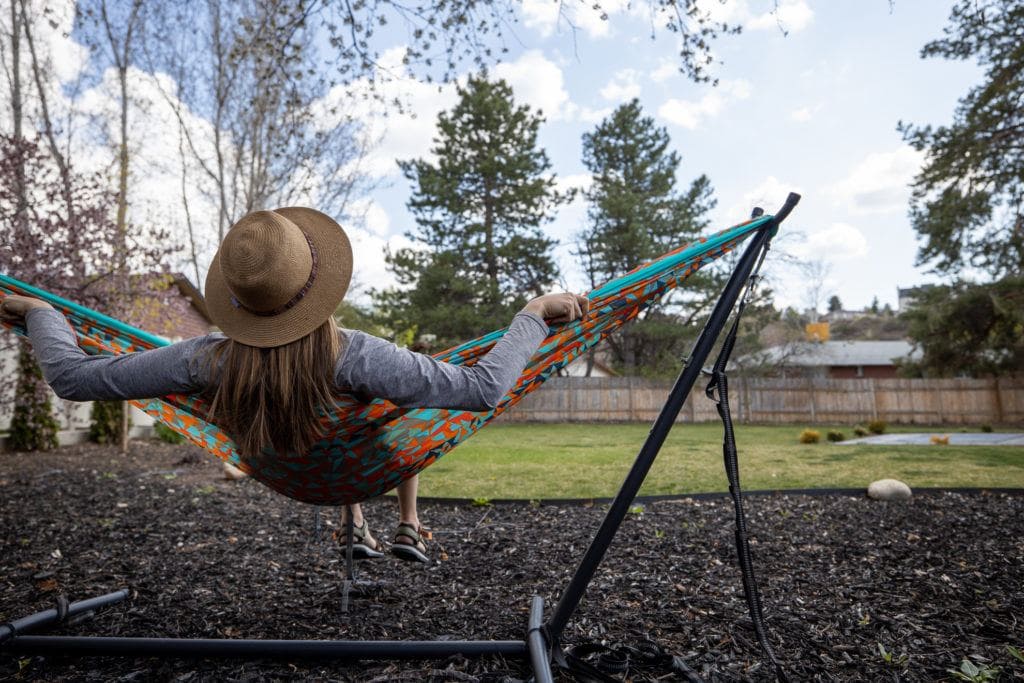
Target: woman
{"type": "Point", "coordinates": [280, 360]}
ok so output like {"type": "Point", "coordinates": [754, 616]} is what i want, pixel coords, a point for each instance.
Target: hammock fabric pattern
{"type": "Point", "coordinates": [368, 448]}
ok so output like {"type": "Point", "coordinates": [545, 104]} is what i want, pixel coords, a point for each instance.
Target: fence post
{"type": "Point", "coordinates": [629, 389]}
{"type": "Point", "coordinates": [874, 399]}
{"type": "Point", "coordinates": [810, 386]}
{"type": "Point", "coordinates": [999, 402]}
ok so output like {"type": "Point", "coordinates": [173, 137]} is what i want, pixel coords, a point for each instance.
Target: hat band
{"type": "Point", "coordinates": [295, 299]}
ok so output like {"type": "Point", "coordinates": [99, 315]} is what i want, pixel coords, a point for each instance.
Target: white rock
{"type": "Point", "coordinates": [889, 489]}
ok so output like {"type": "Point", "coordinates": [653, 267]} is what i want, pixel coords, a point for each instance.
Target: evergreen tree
{"type": "Point", "coordinates": [107, 422]}
{"type": "Point", "coordinates": [33, 426]}
{"type": "Point", "coordinates": [968, 200]}
{"type": "Point", "coordinates": [968, 329]}
{"type": "Point", "coordinates": [479, 209]}
{"type": "Point", "coordinates": [835, 305]}
{"type": "Point", "coordinates": [635, 214]}
{"type": "Point", "coordinates": [967, 204]}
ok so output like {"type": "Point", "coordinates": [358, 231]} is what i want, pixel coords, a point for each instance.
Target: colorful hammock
{"type": "Point", "coordinates": [370, 448]}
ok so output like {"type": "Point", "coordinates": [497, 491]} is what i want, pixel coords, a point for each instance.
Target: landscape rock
{"type": "Point", "coordinates": [889, 489]}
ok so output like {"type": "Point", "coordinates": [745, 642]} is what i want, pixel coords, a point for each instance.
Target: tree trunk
{"type": "Point", "coordinates": [48, 128]}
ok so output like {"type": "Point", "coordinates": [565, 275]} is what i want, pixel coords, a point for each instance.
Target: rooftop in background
{"type": "Point", "coordinates": [172, 307]}
{"type": "Point", "coordinates": [850, 359]}
{"type": "Point", "coordinates": [907, 295]}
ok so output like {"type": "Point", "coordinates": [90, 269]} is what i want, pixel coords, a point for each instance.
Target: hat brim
{"type": "Point", "coordinates": [334, 273]}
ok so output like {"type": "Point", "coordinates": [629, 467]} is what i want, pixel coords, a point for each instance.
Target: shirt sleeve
{"type": "Point", "coordinates": [77, 376]}
{"type": "Point", "coordinates": [380, 369]}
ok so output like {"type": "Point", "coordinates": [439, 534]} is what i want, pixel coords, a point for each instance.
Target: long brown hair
{"type": "Point", "coordinates": [274, 396]}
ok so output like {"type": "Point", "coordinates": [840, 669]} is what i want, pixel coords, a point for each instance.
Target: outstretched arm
{"type": "Point", "coordinates": [74, 375]}
{"type": "Point", "coordinates": [380, 369]}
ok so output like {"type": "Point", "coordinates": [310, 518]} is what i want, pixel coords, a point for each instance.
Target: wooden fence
{"type": "Point", "coordinates": [791, 401]}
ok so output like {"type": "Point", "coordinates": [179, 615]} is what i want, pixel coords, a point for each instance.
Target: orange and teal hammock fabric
{"type": "Point", "coordinates": [371, 447]}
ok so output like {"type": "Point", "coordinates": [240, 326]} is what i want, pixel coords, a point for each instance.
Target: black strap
{"type": "Point", "coordinates": [719, 385]}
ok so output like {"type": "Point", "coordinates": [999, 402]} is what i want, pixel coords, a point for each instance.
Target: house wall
{"type": "Point", "coordinates": [72, 416]}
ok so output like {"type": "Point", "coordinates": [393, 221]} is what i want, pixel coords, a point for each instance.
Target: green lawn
{"type": "Point", "coordinates": [536, 461]}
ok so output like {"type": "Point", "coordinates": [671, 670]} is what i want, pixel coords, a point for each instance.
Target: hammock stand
{"type": "Point", "coordinates": [542, 643]}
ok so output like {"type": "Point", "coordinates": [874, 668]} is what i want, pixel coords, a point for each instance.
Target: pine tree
{"type": "Point", "coordinates": [968, 200]}
{"type": "Point", "coordinates": [967, 204]}
{"type": "Point", "coordinates": [635, 214]}
{"type": "Point", "coordinates": [481, 252]}
{"type": "Point", "coordinates": [968, 330]}
{"type": "Point", "coordinates": [33, 427]}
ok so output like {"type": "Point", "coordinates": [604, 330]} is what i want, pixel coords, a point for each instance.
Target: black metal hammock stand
{"type": "Point", "coordinates": [542, 645]}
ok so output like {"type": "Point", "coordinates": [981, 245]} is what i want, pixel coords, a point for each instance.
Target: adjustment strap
{"type": "Point", "coordinates": [719, 384]}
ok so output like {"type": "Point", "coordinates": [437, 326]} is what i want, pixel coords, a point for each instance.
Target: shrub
{"type": "Point", "coordinates": [860, 431]}
{"type": "Point", "coordinates": [835, 436]}
{"type": "Point", "coordinates": [33, 427]}
{"type": "Point", "coordinates": [987, 428]}
{"type": "Point", "coordinates": [105, 422]}
{"type": "Point", "coordinates": [166, 434]}
{"type": "Point", "coordinates": [877, 426]}
{"type": "Point", "coordinates": [810, 436]}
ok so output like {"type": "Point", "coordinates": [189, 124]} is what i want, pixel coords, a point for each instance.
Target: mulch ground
{"type": "Point", "coordinates": [932, 581]}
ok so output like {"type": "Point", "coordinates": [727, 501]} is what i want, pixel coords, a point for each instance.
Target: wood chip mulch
{"type": "Point", "coordinates": [854, 590]}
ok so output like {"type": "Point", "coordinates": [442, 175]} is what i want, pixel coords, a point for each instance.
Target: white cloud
{"type": "Point", "coordinates": [541, 15]}
{"type": "Point", "coordinates": [790, 16]}
{"type": "Point", "coordinates": [369, 268]}
{"type": "Point", "coordinates": [879, 183]}
{"type": "Point", "coordinates": [625, 85]}
{"type": "Point", "coordinates": [588, 115]}
{"type": "Point", "coordinates": [371, 216]}
{"type": "Point", "coordinates": [802, 114]}
{"type": "Point", "coordinates": [837, 242]}
{"type": "Point", "coordinates": [407, 134]}
{"type": "Point", "coordinates": [769, 195]}
{"type": "Point", "coordinates": [666, 69]}
{"type": "Point", "coordinates": [538, 82]}
{"type": "Point", "coordinates": [547, 16]}
{"type": "Point", "coordinates": [689, 114]}
{"type": "Point", "coordinates": [576, 181]}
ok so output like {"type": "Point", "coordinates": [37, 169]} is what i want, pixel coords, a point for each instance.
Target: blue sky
{"type": "Point", "coordinates": [813, 109]}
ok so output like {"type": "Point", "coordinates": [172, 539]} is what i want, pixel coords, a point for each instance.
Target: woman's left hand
{"type": "Point", "coordinates": [559, 308]}
{"type": "Point", "coordinates": [14, 308]}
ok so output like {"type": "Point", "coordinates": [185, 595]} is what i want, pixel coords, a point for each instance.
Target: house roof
{"type": "Point", "coordinates": [837, 353]}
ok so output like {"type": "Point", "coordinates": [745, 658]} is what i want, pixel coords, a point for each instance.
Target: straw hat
{"type": "Point", "coordinates": [278, 275]}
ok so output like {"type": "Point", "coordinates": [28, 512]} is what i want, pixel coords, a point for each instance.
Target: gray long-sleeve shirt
{"type": "Point", "coordinates": [368, 365]}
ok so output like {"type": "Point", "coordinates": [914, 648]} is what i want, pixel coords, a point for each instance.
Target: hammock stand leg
{"type": "Point", "coordinates": [351, 586]}
{"type": "Point", "coordinates": [16, 639]}
{"type": "Point", "coordinates": [689, 375]}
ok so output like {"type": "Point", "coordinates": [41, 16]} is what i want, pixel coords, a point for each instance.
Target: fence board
{"type": "Point", "coordinates": [783, 400]}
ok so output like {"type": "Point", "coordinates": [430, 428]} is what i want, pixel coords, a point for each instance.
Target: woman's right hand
{"type": "Point", "coordinates": [559, 308]}
{"type": "Point", "coordinates": [14, 307]}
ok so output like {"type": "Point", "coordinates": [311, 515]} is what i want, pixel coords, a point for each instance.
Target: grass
{"type": "Point", "coordinates": [535, 461]}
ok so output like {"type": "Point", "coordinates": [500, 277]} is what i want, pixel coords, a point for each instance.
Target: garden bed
{"type": "Point", "coordinates": [932, 581]}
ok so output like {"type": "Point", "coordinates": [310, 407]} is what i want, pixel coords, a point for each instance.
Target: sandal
{"type": "Point", "coordinates": [410, 552]}
{"type": "Point", "coordinates": [361, 543]}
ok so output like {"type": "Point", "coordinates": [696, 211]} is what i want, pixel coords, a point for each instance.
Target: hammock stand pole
{"type": "Point", "coordinates": [542, 644]}
{"type": "Point", "coordinates": [692, 368]}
